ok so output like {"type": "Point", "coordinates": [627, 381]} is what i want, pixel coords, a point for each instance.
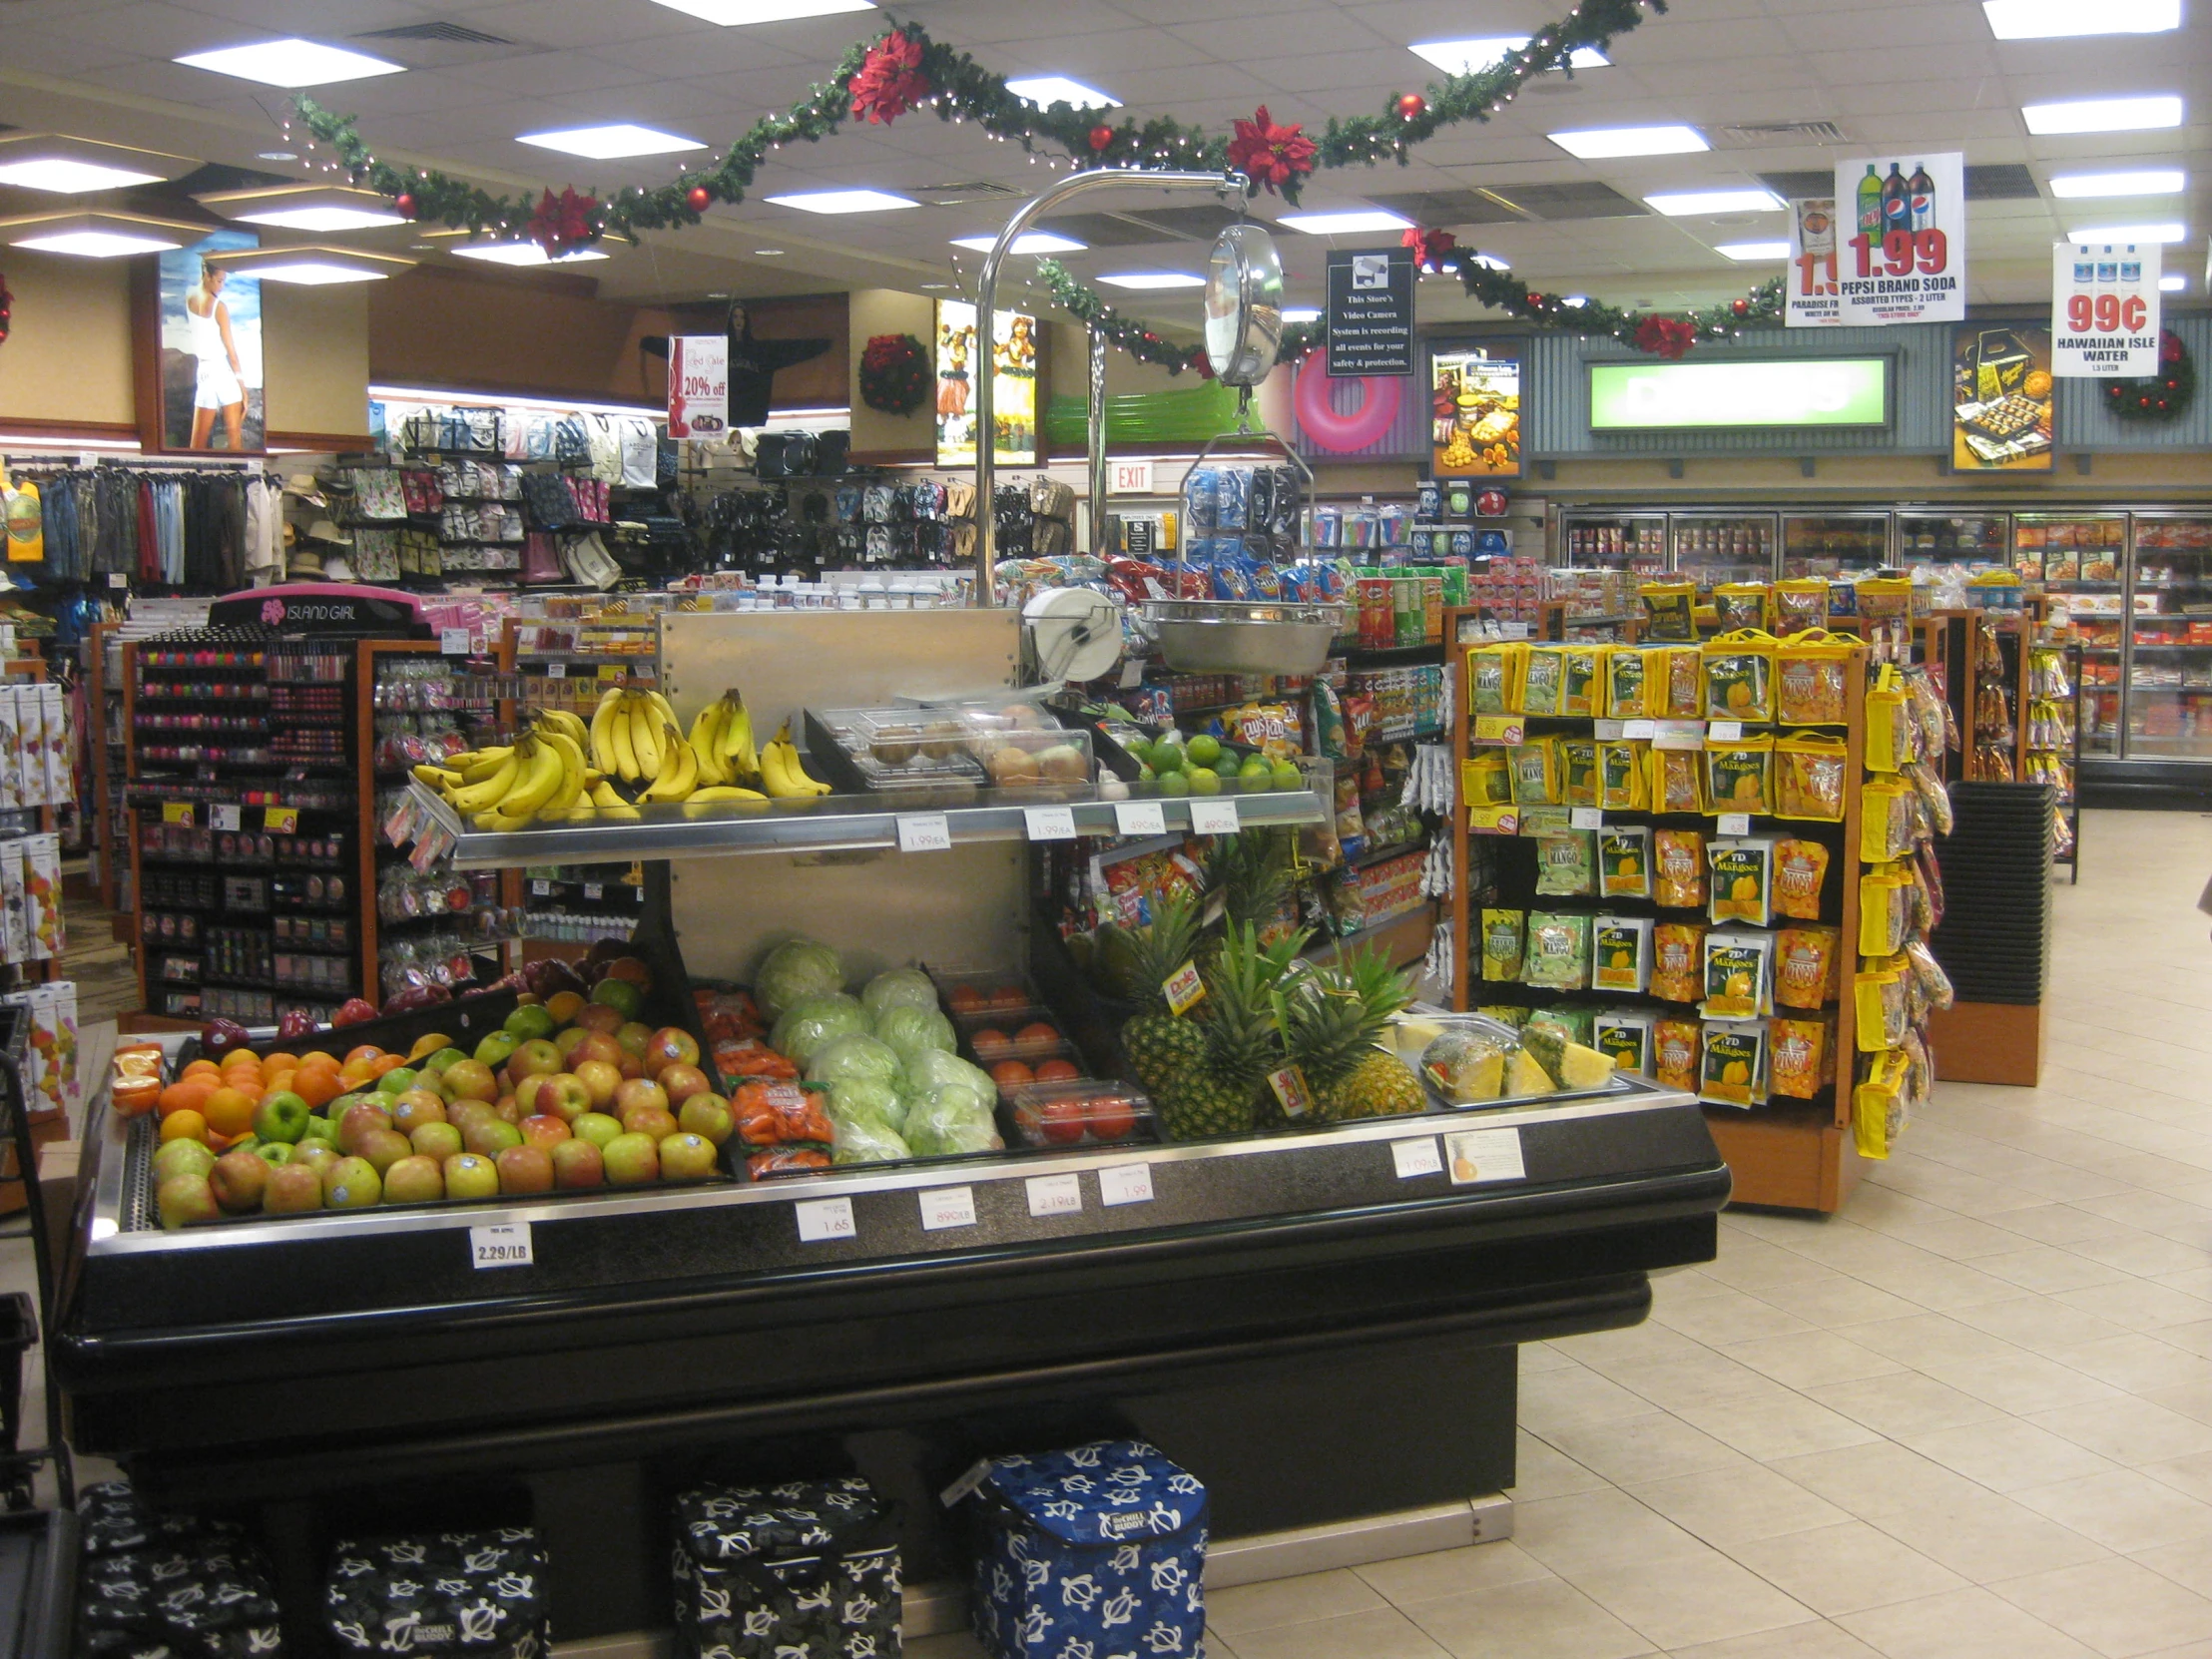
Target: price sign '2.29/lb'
{"type": "Point", "coordinates": [2104, 310]}
{"type": "Point", "coordinates": [1901, 243]}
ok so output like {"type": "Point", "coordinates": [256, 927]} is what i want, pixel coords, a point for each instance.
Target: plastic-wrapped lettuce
{"type": "Point", "coordinates": [933, 1069]}
{"type": "Point", "coordinates": [865, 1141]}
{"type": "Point", "coordinates": [857, 1098]}
{"type": "Point", "coordinates": [948, 1122]}
{"type": "Point", "coordinates": [807, 1027]}
{"type": "Point", "coordinates": [898, 989]}
{"type": "Point", "coordinates": [854, 1055]}
{"type": "Point", "coordinates": [911, 1030]}
{"type": "Point", "coordinates": [794, 973]}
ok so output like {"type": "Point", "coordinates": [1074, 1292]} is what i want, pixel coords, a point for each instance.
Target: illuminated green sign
{"type": "Point", "coordinates": [1805, 392]}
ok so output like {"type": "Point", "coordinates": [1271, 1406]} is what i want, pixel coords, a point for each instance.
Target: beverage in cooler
{"type": "Point", "coordinates": [2169, 684]}
{"type": "Point", "coordinates": [1717, 550]}
{"type": "Point", "coordinates": [1835, 544]}
{"type": "Point", "coordinates": [1636, 543]}
{"type": "Point", "coordinates": [1937, 538]}
{"type": "Point", "coordinates": [2081, 558]}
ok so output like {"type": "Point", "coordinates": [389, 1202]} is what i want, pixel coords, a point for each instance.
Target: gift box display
{"type": "Point", "coordinates": [479, 1593]}
{"type": "Point", "coordinates": [1097, 1550]}
{"type": "Point", "coordinates": [156, 1586]}
{"type": "Point", "coordinates": [797, 1572]}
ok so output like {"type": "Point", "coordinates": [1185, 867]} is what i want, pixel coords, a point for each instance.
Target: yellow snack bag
{"type": "Point", "coordinates": [1813, 678]}
{"type": "Point", "coordinates": [1811, 773]}
{"type": "Point", "coordinates": [1885, 598]}
{"type": "Point", "coordinates": [1743, 879]}
{"type": "Point", "coordinates": [1494, 678]}
{"type": "Point", "coordinates": [1624, 775]}
{"type": "Point", "coordinates": [1889, 722]}
{"type": "Point", "coordinates": [1582, 680]}
{"type": "Point", "coordinates": [1578, 772]}
{"type": "Point", "coordinates": [1799, 870]}
{"type": "Point", "coordinates": [1536, 773]}
{"type": "Point", "coordinates": [1629, 684]}
{"type": "Point", "coordinates": [1621, 954]}
{"type": "Point", "coordinates": [1877, 1104]}
{"type": "Point", "coordinates": [1799, 604]}
{"type": "Point", "coordinates": [1544, 681]}
{"type": "Point", "coordinates": [1684, 687]}
{"type": "Point", "coordinates": [1677, 959]}
{"type": "Point", "coordinates": [1669, 610]}
{"type": "Point", "coordinates": [1678, 869]}
{"type": "Point", "coordinates": [1738, 675]}
{"type": "Point", "coordinates": [1674, 1053]}
{"type": "Point", "coordinates": [1884, 909]}
{"type": "Point", "coordinates": [1879, 1015]}
{"type": "Point", "coordinates": [1739, 774]}
{"type": "Point", "coordinates": [1487, 779]}
{"type": "Point", "coordinates": [1737, 975]}
{"type": "Point", "coordinates": [1677, 780]}
{"type": "Point", "coordinates": [1885, 811]}
{"type": "Point", "coordinates": [1624, 862]}
{"type": "Point", "coordinates": [1800, 1056]}
{"type": "Point", "coordinates": [1504, 942]}
{"type": "Point", "coordinates": [1744, 605]}
{"type": "Point", "coordinates": [1732, 1064]}
{"type": "Point", "coordinates": [1807, 966]}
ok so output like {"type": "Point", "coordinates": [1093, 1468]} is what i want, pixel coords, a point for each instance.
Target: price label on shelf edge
{"type": "Point", "coordinates": [2105, 313]}
{"type": "Point", "coordinates": [1139, 817]}
{"type": "Point", "coordinates": [1585, 817]}
{"type": "Point", "coordinates": [947, 1207]}
{"type": "Point", "coordinates": [454, 642]}
{"type": "Point", "coordinates": [503, 1246]}
{"type": "Point", "coordinates": [1055, 1194]}
{"type": "Point", "coordinates": [1049, 824]}
{"type": "Point", "coordinates": [822, 1219]}
{"type": "Point", "coordinates": [924, 833]}
{"type": "Point", "coordinates": [1735, 823]}
{"type": "Point", "coordinates": [1125, 1184]}
{"type": "Point", "coordinates": [1214, 818]}
{"type": "Point", "coordinates": [1506, 729]}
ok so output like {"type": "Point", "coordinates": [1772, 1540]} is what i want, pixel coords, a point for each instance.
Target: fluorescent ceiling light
{"type": "Point", "coordinates": [843, 201]}
{"type": "Point", "coordinates": [317, 273]}
{"type": "Point", "coordinates": [1594, 143]}
{"type": "Point", "coordinates": [96, 244]}
{"type": "Point", "coordinates": [1691, 203]}
{"type": "Point", "coordinates": [310, 267]}
{"type": "Point", "coordinates": [1468, 57]}
{"type": "Point", "coordinates": [2170, 231]}
{"type": "Point", "coordinates": [2102, 115]}
{"type": "Point", "coordinates": [321, 221]}
{"type": "Point", "coordinates": [523, 252]}
{"type": "Point", "coordinates": [2172, 283]}
{"type": "Point", "coordinates": [1301, 313]}
{"type": "Point", "coordinates": [66, 166]}
{"type": "Point", "coordinates": [2163, 181]}
{"type": "Point", "coordinates": [1346, 223]}
{"type": "Point", "coordinates": [1046, 90]}
{"type": "Point", "coordinates": [612, 143]}
{"type": "Point", "coordinates": [1030, 241]}
{"type": "Point", "coordinates": [2042, 19]}
{"type": "Point", "coordinates": [1490, 261]}
{"type": "Point", "coordinates": [292, 63]}
{"type": "Point", "coordinates": [317, 208]}
{"type": "Point", "coordinates": [67, 178]}
{"type": "Point", "coordinates": [98, 235]}
{"type": "Point", "coordinates": [1746, 253]}
{"type": "Point", "coordinates": [1153, 279]}
{"type": "Point", "coordinates": [731, 13]}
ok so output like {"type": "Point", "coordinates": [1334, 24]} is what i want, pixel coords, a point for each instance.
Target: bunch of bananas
{"type": "Point", "coordinates": [542, 773]}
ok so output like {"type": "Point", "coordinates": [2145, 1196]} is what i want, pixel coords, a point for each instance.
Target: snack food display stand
{"type": "Point", "coordinates": [1323, 1321]}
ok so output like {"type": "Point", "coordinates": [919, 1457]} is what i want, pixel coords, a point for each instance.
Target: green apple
{"type": "Point", "coordinates": [281, 1116]}
{"type": "Point", "coordinates": [632, 1160]}
{"type": "Point", "coordinates": [352, 1184]}
{"type": "Point", "coordinates": [443, 1058]}
{"type": "Point", "coordinates": [274, 1152]}
{"type": "Point", "coordinates": [183, 1200]}
{"type": "Point", "coordinates": [599, 1128]}
{"type": "Point", "coordinates": [182, 1158]}
{"type": "Point", "coordinates": [528, 1022]}
{"type": "Point", "coordinates": [495, 1048]}
{"type": "Point", "coordinates": [399, 1080]}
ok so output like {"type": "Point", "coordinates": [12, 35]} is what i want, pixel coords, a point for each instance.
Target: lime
{"type": "Point", "coordinates": [1288, 777]}
{"type": "Point", "coordinates": [1166, 759]}
{"type": "Point", "coordinates": [1205, 749]}
{"type": "Point", "coordinates": [1204, 781]}
{"type": "Point", "coordinates": [1176, 782]}
{"type": "Point", "coordinates": [1226, 770]}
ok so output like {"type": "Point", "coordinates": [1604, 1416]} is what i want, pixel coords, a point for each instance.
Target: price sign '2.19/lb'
{"type": "Point", "coordinates": [2104, 310]}
{"type": "Point", "coordinates": [1901, 248]}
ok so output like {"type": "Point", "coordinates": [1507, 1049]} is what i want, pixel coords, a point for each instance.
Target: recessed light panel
{"type": "Point", "coordinates": [1596, 144]}
{"type": "Point", "coordinates": [1347, 223]}
{"type": "Point", "coordinates": [1046, 90]}
{"type": "Point", "coordinates": [843, 201]}
{"type": "Point", "coordinates": [66, 166]}
{"type": "Point", "coordinates": [1469, 57]}
{"type": "Point", "coordinates": [308, 267]}
{"type": "Point", "coordinates": [1694, 202]}
{"type": "Point", "coordinates": [2103, 115]}
{"type": "Point", "coordinates": [732, 13]}
{"type": "Point", "coordinates": [1030, 241]}
{"type": "Point", "coordinates": [317, 208]}
{"type": "Point", "coordinates": [2043, 19]}
{"type": "Point", "coordinates": [2168, 231]}
{"type": "Point", "coordinates": [63, 177]}
{"type": "Point", "coordinates": [292, 63]}
{"type": "Point", "coordinates": [2164, 181]}
{"type": "Point", "coordinates": [2172, 283]}
{"type": "Point", "coordinates": [523, 252]}
{"type": "Point", "coordinates": [611, 143]}
{"type": "Point", "coordinates": [1153, 279]}
{"type": "Point", "coordinates": [96, 244]}
{"type": "Point", "coordinates": [1748, 253]}
{"type": "Point", "coordinates": [96, 235]}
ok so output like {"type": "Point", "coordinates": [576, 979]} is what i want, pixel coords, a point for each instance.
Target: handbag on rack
{"type": "Point", "coordinates": [541, 559]}
{"type": "Point", "coordinates": [588, 562]}
{"type": "Point", "coordinates": [831, 450]}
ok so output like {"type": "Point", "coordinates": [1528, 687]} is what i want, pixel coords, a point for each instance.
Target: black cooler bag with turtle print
{"type": "Point", "coordinates": [474, 1595]}
{"type": "Point", "coordinates": [803, 1571]}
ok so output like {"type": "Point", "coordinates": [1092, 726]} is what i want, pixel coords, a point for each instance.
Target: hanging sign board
{"type": "Point", "coordinates": [1813, 297]}
{"type": "Point", "coordinates": [1901, 254]}
{"type": "Point", "coordinates": [697, 386]}
{"type": "Point", "coordinates": [1371, 312]}
{"type": "Point", "coordinates": [2104, 310]}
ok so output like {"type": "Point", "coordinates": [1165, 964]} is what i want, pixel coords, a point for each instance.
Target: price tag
{"type": "Point", "coordinates": [1055, 1194]}
{"type": "Point", "coordinates": [281, 821]}
{"type": "Point", "coordinates": [226, 817]}
{"type": "Point", "coordinates": [943, 1207]}
{"type": "Point", "coordinates": [1735, 823]}
{"type": "Point", "coordinates": [1644, 729]}
{"type": "Point", "coordinates": [1474, 1156]}
{"type": "Point", "coordinates": [1585, 817]}
{"type": "Point", "coordinates": [1139, 817]}
{"type": "Point", "coordinates": [116, 579]}
{"type": "Point", "coordinates": [1125, 1184]}
{"type": "Point", "coordinates": [556, 671]}
{"type": "Point", "coordinates": [541, 890]}
{"type": "Point", "coordinates": [1049, 824]}
{"type": "Point", "coordinates": [1678, 735]}
{"type": "Point", "coordinates": [1184, 988]}
{"type": "Point", "coordinates": [178, 812]}
{"type": "Point", "coordinates": [609, 671]}
{"type": "Point", "coordinates": [454, 642]}
{"type": "Point", "coordinates": [1500, 729]}
{"type": "Point", "coordinates": [924, 833]}
{"type": "Point", "coordinates": [1416, 1157]}
{"type": "Point", "coordinates": [1214, 818]}
{"type": "Point", "coordinates": [826, 1217]}
{"type": "Point", "coordinates": [1291, 1091]}
{"type": "Point", "coordinates": [594, 892]}
{"type": "Point", "coordinates": [1609, 729]}
{"type": "Point", "coordinates": [1725, 731]}
{"type": "Point", "coordinates": [1493, 820]}
{"type": "Point", "coordinates": [506, 1246]}
{"type": "Point", "coordinates": [977, 1474]}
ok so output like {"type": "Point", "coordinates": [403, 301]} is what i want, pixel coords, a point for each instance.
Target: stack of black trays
{"type": "Point", "coordinates": [1994, 940]}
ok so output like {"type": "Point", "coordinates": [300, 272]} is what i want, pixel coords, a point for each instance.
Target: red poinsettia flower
{"type": "Point", "coordinates": [1203, 363]}
{"type": "Point", "coordinates": [1665, 336]}
{"type": "Point", "coordinates": [1430, 246]}
{"type": "Point", "coordinates": [563, 222]}
{"type": "Point", "coordinates": [890, 81]}
{"type": "Point", "coordinates": [1268, 154]}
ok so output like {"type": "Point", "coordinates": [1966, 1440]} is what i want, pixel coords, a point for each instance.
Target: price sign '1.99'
{"type": "Point", "coordinates": [2104, 310]}
{"type": "Point", "coordinates": [1900, 247]}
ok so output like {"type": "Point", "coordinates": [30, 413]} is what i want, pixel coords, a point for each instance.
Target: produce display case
{"type": "Point", "coordinates": [1221, 1296]}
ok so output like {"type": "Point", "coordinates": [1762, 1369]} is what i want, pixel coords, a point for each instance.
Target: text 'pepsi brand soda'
{"type": "Point", "coordinates": [1897, 201]}
{"type": "Point", "coordinates": [1921, 189]}
{"type": "Point", "coordinates": [1870, 204]}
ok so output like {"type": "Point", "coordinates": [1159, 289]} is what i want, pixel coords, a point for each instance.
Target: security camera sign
{"type": "Point", "coordinates": [1371, 312]}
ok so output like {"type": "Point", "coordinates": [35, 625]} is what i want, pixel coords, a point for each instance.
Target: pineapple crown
{"type": "Point", "coordinates": [1332, 1019]}
{"type": "Point", "coordinates": [1251, 872]}
{"type": "Point", "coordinates": [1243, 1035]}
{"type": "Point", "coordinates": [1163, 945]}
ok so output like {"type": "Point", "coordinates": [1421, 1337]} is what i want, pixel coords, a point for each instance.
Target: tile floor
{"type": "Point", "coordinates": [1969, 1416]}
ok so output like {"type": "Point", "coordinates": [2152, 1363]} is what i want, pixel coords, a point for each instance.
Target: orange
{"type": "Point", "coordinates": [279, 1079]}
{"type": "Point", "coordinates": [199, 1068]}
{"type": "Point", "coordinates": [316, 1088]}
{"type": "Point", "coordinates": [386, 1063]}
{"type": "Point", "coordinates": [319, 1062]}
{"type": "Point", "coordinates": [279, 1061]}
{"type": "Point", "coordinates": [187, 1094]}
{"type": "Point", "coordinates": [367, 1051]}
{"type": "Point", "coordinates": [229, 1112]}
{"type": "Point", "coordinates": [184, 1126]}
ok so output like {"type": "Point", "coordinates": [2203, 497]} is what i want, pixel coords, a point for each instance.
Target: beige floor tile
{"type": "Point", "coordinates": [1678, 1383]}
{"type": "Point", "coordinates": [2120, 1608]}
{"type": "Point", "coordinates": [1943, 1285]}
{"type": "Point", "coordinates": [1540, 1471]}
{"type": "Point", "coordinates": [1788, 1426]}
{"type": "Point", "coordinates": [2022, 1383]}
{"type": "Point", "coordinates": [2195, 1338]}
{"type": "Point", "coordinates": [1960, 1624]}
{"type": "Point", "coordinates": [1731, 1318]}
{"type": "Point", "coordinates": [2141, 1253]}
{"type": "Point", "coordinates": [1594, 1529]}
{"type": "Point", "coordinates": [2140, 1305]}
{"type": "Point", "coordinates": [2058, 1224]}
{"type": "Point", "coordinates": [2191, 1399]}
{"type": "Point", "coordinates": [1903, 1404]}
{"type": "Point", "coordinates": [1675, 1605]}
{"type": "Point", "coordinates": [1644, 1344]}
{"type": "Point", "coordinates": [2192, 1475]}
{"type": "Point", "coordinates": [1836, 1299]}
{"type": "Point", "coordinates": [1875, 1481]}
{"type": "Point", "coordinates": [1731, 1505]}
{"type": "Point", "coordinates": [2122, 1509]}
{"type": "Point", "coordinates": [1542, 1357]}
{"type": "Point", "coordinates": [1926, 1340]}
{"type": "Point", "coordinates": [1845, 1568]}
{"type": "Point", "coordinates": [2040, 1324]}
{"type": "Point", "coordinates": [1807, 1357]}
{"type": "Point", "coordinates": [1748, 1264]}
{"type": "Point", "coordinates": [1986, 1537]}
{"type": "Point", "coordinates": [1655, 1448]}
{"type": "Point", "coordinates": [1817, 1640]}
{"type": "Point", "coordinates": [2046, 1270]}
{"type": "Point", "coordinates": [2188, 1563]}
{"type": "Point", "coordinates": [1217, 1647]}
{"type": "Point", "coordinates": [1451, 1572]}
{"type": "Point", "coordinates": [1388, 1635]}
{"type": "Point", "coordinates": [2130, 1431]}
{"type": "Point", "coordinates": [1577, 1399]}
{"type": "Point", "coordinates": [2136, 1362]}
{"type": "Point", "coordinates": [2008, 1454]}
{"type": "Point", "coordinates": [1246, 1608]}
{"type": "Point", "coordinates": [1542, 1619]}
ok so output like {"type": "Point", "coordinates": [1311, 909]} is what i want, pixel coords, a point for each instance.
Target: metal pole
{"type": "Point", "coordinates": [986, 319]}
{"type": "Point", "coordinates": [1098, 445]}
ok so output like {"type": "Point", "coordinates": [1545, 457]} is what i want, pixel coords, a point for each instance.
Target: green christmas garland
{"type": "Point", "coordinates": [2161, 397]}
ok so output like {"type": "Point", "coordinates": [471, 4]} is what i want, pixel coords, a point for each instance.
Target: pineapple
{"type": "Point", "coordinates": [1569, 1064]}
{"type": "Point", "coordinates": [1219, 1094]}
{"type": "Point", "coordinates": [1158, 1044]}
{"type": "Point", "coordinates": [1250, 871]}
{"type": "Point", "coordinates": [1332, 1024]}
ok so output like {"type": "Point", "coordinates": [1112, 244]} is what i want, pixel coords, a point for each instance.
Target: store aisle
{"type": "Point", "coordinates": [1971, 1418]}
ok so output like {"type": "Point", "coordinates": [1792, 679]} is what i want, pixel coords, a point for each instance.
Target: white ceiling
{"type": "Point", "coordinates": [1905, 74]}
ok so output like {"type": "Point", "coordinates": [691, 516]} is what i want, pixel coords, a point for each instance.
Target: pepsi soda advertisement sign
{"type": "Point", "coordinates": [1901, 239]}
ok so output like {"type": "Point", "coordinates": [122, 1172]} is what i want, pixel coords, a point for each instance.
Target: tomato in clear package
{"type": "Point", "coordinates": [1110, 1117]}
{"type": "Point", "coordinates": [1062, 1121]}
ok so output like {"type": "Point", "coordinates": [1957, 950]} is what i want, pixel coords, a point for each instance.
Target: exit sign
{"type": "Point", "coordinates": [1129, 478]}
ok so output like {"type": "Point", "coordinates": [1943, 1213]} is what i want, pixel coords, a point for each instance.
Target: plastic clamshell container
{"type": "Point", "coordinates": [990, 991]}
{"type": "Point", "coordinates": [1041, 1119]}
{"type": "Point", "coordinates": [901, 748]}
{"type": "Point", "coordinates": [1008, 1024]}
{"type": "Point", "coordinates": [1411, 1034]}
{"type": "Point", "coordinates": [1047, 758]}
{"type": "Point", "coordinates": [1058, 1052]}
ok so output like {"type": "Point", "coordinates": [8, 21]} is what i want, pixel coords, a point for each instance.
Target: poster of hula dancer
{"type": "Point", "coordinates": [1013, 365]}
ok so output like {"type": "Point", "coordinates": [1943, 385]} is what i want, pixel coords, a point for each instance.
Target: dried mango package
{"type": "Point", "coordinates": [1544, 680]}
{"type": "Point", "coordinates": [1505, 940]}
{"type": "Point", "coordinates": [1669, 610]}
{"type": "Point", "coordinates": [1678, 869]}
{"type": "Point", "coordinates": [1885, 815]}
{"type": "Point", "coordinates": [1743, 879]}
{"type": "Point", "coordinates": [1743, 605]}
{"type": "Point", "coordinates": [1807, 966]}
{"type": "Point", "coordinates": [1625, 1038]}
{"type": "Point", "coordinates": [1739, 774]}
{"type": "Point", "coordinates": [1677, 959]}
{"type": "Point", "coordinates": [1813, 678]}
{"type": "Point", "coordinates": [1487, 779]}
{"type": "Point", "coordinates": [1738, 675]}
{"type": "Point", "coordinates": [1582, 680]}
{"type": "Point", "coordinates": [1732, 1062]}
{"type": "Point", "coordinates": [1621, 954]}
{"type": "Point", "coordinates": [1623, 775]}
{"type": "Point", "coordinates": [1684, 685]}
{"type": "Point", "coordinates": [1799, 604]}
{"type": "Point", "coordinates": [1737, 975]}
{"type": "Point", "coordinates": [1800, 1056]}
{"type": "Point", "coordinates": [1578, 772]}
{"type": "Point", "coordinates": [1799, 871]}
{"type": "Point", "coordinates": [1558, 952]}
{"type": "Point", "coordinates": [1674, 1052]}
{"type": "Point", "coordinates": [1629, 684]}
{"type": "Point", "coordinates": [1624, 861]}
{"type": "Point", "coordinates": [1494, 678]}
{"type": "Point", "coordinates": [1566, 863]}
{"type": "Point", "coordinates": [1677, 779]}
{"type": "Point", "coordinates": [1811, 776]}
{"type": "Point", "coordinates": [1536, 773]}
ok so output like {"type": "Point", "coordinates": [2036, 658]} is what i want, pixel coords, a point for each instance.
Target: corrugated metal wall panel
{"type": "Point", "coordinates": [2085, 425]}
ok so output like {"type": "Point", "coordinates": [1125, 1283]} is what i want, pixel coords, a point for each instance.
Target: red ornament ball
{"type": "Point", "coordinates": [1101, 136]}
{"type": "Point", "coordinates": [700, 198]}
{"type": "Point", "coordinates": [1411, 106]}
{"type": "Point", "coordinates": [405, 202]}
{"type": "Point", "coordinates": [2173, 385]}
{"type": "Point", "coordinates": [1536, 301]}
{"type": "Point", "coordinates": [2146, 402]}
{"type": "Point", "coordinates": [1742, 308]}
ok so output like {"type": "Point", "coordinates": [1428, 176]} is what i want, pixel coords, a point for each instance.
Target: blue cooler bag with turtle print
{"type": "Point", "coordinates": [1097, 1552]}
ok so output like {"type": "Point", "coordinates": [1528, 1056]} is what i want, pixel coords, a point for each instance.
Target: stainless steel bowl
{"type": "Point", "coordinates": [1221, 636]}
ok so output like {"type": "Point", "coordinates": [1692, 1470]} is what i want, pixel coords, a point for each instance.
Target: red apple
{"type": "Point", "coordinates": [657, 1120]}
{"type": "Point", "coordinates": [468, 1080]}
{"type": "Point", "coordinates": [528, 1088]}
{"type": "Point", "coordinates": [597, 1045]}
{"type": "Point", "coordinates": [637, 1092]}
{"type": "Point", "coordinates": [415, 1179]}
{"type": "Point", "coordinates": [358, 1122]}
{"type": "Point", "coordinates": [597, 1017]}
{"type": "Point", "coordinates": [415, 1108]}
{"type": "Point", "coordinates": [577, 1163]}
{"type": "Point", "coordinates": [471, 1175]}
{"type": "Point", "coordinates": [679, 1080]}
{"type": "Point", "coordinates": [354, 1010]}
{"type": "Point", "coordinates": [634, 1035]}
{"type": "Point", "coordinates": [292, 1187]}
{"type": "Point", "coordinates": [601, 1078]}
{"type": "Point", "coordinates": [708, 1115]}
{"type": "Point", "coordinates": [488, 1137]}
{"type": "Point", "coordinates": [544, 1131]}
{"type": "Point", "coordinates": [671, 1045]}
{"type": "Point", "coordinates": [566, 1040]}
{"type": "Point", "coordinates": [382, 1148]}
{"type": "Point", "coordinates": [240, 1181]}
{"type": "Point", "coordinates": [630, 1065]}
{"type": "Point", "coordinates": [314, 1157]}
{"type": "Point", "coordinates": [436, 1141]}
{"type": "Point", "coordinates": [632, 1160]}
{"type": "Point", "coordinates": [525, 1169]}
{"type": "Point", "coordinates": [507, 1109]}
{"type": "Point", "coordinates": [687, 1158]}
{"type": "Point", "coordinates": [537, 1057]}
{"type": "Point", "coordinates": [564, 1097]}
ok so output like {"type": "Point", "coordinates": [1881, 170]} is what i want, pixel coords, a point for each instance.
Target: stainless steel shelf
{"type": "Point", "coordinates": [825, 823]}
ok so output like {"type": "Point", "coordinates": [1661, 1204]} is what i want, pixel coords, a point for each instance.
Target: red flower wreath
{"type": "Point", "coordinates": [1664, 336]}
{"type": "Point", "coordinates": [894, 373]}
{"type": "Point", "coordinates": [563, 222]}
{"type": "Point", "coordinates": [1429, 248]}
{"type": "Point", "coordinates": [890, 81]}
{"type": "Point", "coordinates": [1269, 154]}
